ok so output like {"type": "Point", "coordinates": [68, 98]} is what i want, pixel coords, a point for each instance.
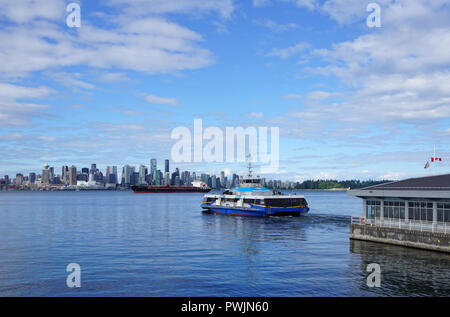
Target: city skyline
{"type": "Point", "coordinates": [93, 178]}
{"type": "Point", "coordinates": [130, 175]}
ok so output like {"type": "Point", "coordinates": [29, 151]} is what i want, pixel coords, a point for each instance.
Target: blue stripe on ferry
{"type": "Point", "coordinates": [249, 189]}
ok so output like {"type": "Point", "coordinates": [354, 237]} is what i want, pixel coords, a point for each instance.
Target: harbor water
{"type": "Point", "coordinates": [164, 245]}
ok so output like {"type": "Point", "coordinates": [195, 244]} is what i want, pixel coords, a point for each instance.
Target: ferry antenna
{"type": "Point", "coordinates": [250, 169]}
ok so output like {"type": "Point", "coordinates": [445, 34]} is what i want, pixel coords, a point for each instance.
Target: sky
{"type": "Point", "coordinates": [351, 101]}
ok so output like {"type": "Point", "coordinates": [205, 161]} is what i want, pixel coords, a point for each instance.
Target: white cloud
{"type": "Point", "coordinates": [275, 26]}
{"type": "Point", "coordinates": [161, 100]}
{"type": "Point", "coordinates": [398, 74]}
{"type": "Point", "coordinates": [70, 80]}
{"type": "Point", "coordinates": [22, 11]}
{"type": "Point", "coordinates": [14, 111]}
{"type": "Point", "coordinates": [292, 97]}
{"type": "Point", "coordinates": [290, 51]}
{"type": "Point", "coordinates": [113, 77]}
{"type": "Point", "coordinates": [309, 4]}
{"type": "Point", "coordinates": [36, 40]}
{"type": "Point", "coordinates": [143, 7]}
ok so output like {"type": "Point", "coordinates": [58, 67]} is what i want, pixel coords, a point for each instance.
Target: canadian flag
{"type": "Point", "coordinates": [436, 159]}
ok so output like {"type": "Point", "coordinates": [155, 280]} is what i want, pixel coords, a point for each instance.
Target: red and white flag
{"type": "Point", "coordinates": [436, 159]}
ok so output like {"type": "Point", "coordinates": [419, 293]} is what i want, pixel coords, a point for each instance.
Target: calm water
{"type": "Point", "coordinates": [163, 245]}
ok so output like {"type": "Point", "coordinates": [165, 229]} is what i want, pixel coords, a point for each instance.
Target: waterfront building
{"type": "Point", "coordinates": [32, 177]}
{"type": "Point", "coordinates": [72, 175]}
{"type": "Point", "coordinates": [412, 212]}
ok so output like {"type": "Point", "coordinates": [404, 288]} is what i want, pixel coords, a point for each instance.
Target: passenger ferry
{"type": "Point", "coordinates": [252, 199]}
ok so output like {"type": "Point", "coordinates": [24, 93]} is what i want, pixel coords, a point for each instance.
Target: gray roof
{"type": "Point", "coordinates": [438, 182]}
{"type": "Point", "coordinates": [423, 187]}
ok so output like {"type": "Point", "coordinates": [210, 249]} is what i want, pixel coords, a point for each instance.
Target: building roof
{"type": "Point", "coordinates": [422, 187]}
{"type": "Point", "coordinates": [438, 182]}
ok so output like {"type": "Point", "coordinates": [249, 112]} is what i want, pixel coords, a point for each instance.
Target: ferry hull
{"type": "Point", "coordinates": [256, 212]}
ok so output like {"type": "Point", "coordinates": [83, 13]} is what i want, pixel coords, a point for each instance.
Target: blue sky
{"type": "Point", "coordinates": [350, 101]}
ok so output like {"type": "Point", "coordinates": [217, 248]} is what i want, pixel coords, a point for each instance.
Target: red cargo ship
{"type": "Point", "coordinates": [141, 189]}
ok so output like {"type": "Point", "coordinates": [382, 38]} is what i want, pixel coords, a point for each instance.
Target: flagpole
{"type": "Point", "coordinates": [434, 159]}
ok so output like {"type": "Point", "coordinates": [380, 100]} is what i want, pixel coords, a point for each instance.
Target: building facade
{"type": "Point", "coordinates": [411, 205]}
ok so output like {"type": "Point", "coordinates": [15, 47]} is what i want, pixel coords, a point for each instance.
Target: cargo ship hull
{"type": "Point", "coordinates": [145, 189]}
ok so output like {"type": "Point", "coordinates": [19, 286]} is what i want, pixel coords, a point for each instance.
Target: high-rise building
{"type": "Point", "coordinates": [51, 174]}
{"type": "Point", "coordinates": [222, 179]}
{"type": "Point", "coordinates": [108, 171]}
{"type": "Point", "coordinates": [175, 175]}
{"type": "Point", "coordinates": [72, 175]}
{"type": "Point", "coordinates": [127, 170]}
{"type": "Point", "coordinates": [19, 179]}
{"type": "Point", "coordinates": [134, 178]}
{"type": "Point", "coordinates": [142, 174]}
{"type": "Point", "coordinates": [166, 166]}
{"type": "Point", "coordinates": [114, 171]}
{"type": "Point", "coordinates": [45, 175]}
{"type": "Point", "coordinates": [153, 167]}
{"type": "Point", "coordinates": [167, 178]}
{"type": "Point", "coordinates": [158, 177]}
{"type": "Point", "coordinates": [65, 174]}
{"type": "Point", "coordinates": [32, 177]}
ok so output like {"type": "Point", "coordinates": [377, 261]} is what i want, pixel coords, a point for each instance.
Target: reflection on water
{"type": "Point", "coordinates": [405, 271]}
{"type": "Point", "coordinates": [164, 245]}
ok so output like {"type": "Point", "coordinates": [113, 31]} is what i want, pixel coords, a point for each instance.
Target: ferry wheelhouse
{"type": "Point", "coordinates": [250, 198]}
